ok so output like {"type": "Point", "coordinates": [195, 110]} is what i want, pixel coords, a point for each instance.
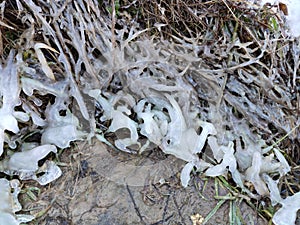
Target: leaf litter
{"type": "Point", "coordinates": [222, 83]}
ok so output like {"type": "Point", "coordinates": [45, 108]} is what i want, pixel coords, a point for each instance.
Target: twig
{"type": "Point", "coordinates": [135, 206]}
{"type": "Point", "coordinates": [165, 209]}
{"type": "Point", "coordinates": [178, 209]}
{"type": "Point", "coordinates": [161, 221]}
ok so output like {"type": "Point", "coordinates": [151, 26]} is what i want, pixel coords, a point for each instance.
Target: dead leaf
{"type": "Point", "coordinates": [283, 8]}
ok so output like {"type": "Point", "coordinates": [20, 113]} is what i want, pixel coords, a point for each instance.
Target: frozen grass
{"type": "Point", "coordinates": [292, 11]}
{"type": "Point", "coordinates": [179, 67]}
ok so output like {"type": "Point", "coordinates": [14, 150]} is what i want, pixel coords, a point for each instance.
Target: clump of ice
{"type": "Point", "coordinates": [9, 204]}
{"type": "Point", "coordinates": [20, 158]}
{"type": "Point", "coordinates": [162, 121]}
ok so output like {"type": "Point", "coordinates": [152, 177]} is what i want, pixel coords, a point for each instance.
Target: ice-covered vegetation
{"type": "Point", "coordinates": [178, 95]}
{"type": "Point", "coordinates": [292, 11]}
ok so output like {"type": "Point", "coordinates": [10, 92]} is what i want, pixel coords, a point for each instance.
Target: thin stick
{"type": "Point", "coordinates": [135, 206]}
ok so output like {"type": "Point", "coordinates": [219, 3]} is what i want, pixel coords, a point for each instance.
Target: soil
{"type": "Point", "coordinates": [102, 187]}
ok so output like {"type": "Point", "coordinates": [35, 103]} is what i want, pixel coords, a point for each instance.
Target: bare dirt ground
{"type": "Point", "coordinates": [89, 194]}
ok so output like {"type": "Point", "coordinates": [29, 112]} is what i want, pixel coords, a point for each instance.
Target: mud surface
{"type": "Point", "coordinates": [86, 194]}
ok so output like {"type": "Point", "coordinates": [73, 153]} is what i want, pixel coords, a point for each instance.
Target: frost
{"type": "Point", "coordinates": [57, 88]}
{"type": "Point", "coordinates": [253, 175]}
{"type": "Point", "coordinates": [274, 191]}
{"type": "Point", "coordinates": [185, 174]}
{"type": "Point", "coordinates": [217, 150]}
{"type": "Point", "coordinates": [228, 162]}
{"type": "Point", "coordinates": [9, 203]}
{"type": "Point", "coordinates": [120, 120]}
{"type": "Point", "coordinates": [35, 116]}
{"type": "Point", "coordinates": [290, 205]}
{"type": "Point", "coordinates": [61, 129]}
{"type": "Point", "coordinates": [50, 173]}
{"type": "Point", "coordinates": [180, 140]}
{"type": "Point", "coordinates": [163, 94]}
{"type": "Point", "coordinates": [286, 215]}
{"type": "Point", "coordinates": [284, 166]}
{"type": "Point", "coordinates": [25, 165]}
{"type": "Point", "coordinates": [168, 122]}
{"type": "Point", "coordinates": [9, 90]}
{"type": "Point", "coordinates": [169, 129]}
{"type": "Point", "coordinates": [154, 125]}
{"type": "Point", "coordinates": [27, 161]}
